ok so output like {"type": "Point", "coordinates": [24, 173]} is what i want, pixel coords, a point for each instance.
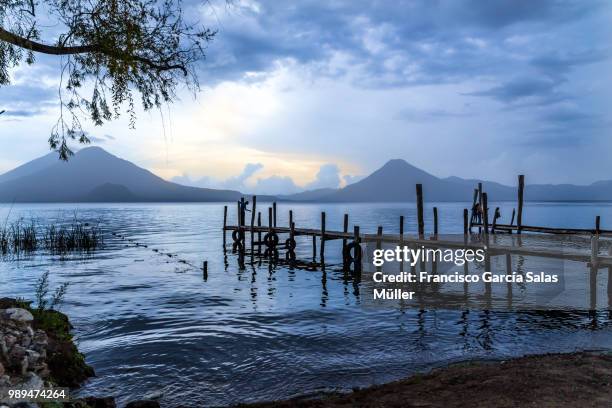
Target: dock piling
{"type": "Point", "coordinates": [322, 255]}
{"type": "Point", "coordinates": [419, 197]}
{"type": "Point", "coordinates": [254, 207]}
{"type": "Point", "coordinates": [521, 190]}
{"type": "Point", "coordinates": [435, 217]}
{"type": "Point", "coordinates": [485, 213]}
{"type": "Point", "coordinates": [224, 225]}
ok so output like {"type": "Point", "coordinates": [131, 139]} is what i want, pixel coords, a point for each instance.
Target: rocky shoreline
{"type": "Point", "coordinates": [37, 351]}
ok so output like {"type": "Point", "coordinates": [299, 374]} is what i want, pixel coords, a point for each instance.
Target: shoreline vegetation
{"type": "Point", "coordinates": [579, 379]}
{"type": "Point", "coordinates": [21, 236]}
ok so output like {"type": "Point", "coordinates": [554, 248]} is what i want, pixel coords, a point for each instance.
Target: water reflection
{"type": "Point", "coordinates": [258, 331]}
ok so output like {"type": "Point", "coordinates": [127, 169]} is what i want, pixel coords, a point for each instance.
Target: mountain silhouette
{"type": "Point", "coordinates": [396, 180]}
{"type": "Point", "coordinates": [94, 174]}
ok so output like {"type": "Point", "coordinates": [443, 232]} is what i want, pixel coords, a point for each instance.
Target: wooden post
{"type": "Point", "coordinates": [253, 208]}
{"type": "Point", "coordinates": [242, 212]}
{"type": "Point", "coordinates": [496, 215]}
{"type": "Point", "coordinates": [597, 225]}
{"type": "Point", "coordinates": [435, 215]}
{"type": "Point", "coordinates": [512, 219]}
{"type": "Point", "coordinates": [259, 232]}
{"type": "Point", "coordinates": [519, 215]}
{"type": "Point", "coordinates": [474, 200]}
{"type": "Point", "coordinates": [290, 218]}
{"type": "Point", "coordinates": [224, 225]}
{"type": "Point", "coordinates": [314, 248]}
{"type": "Point", "coordinates": [269, 219]}
{"type": "Point", "coordinates": [345, 230]}
{"type": "Point", "coordinates": [485, 213]}
{"type": "Point", "coordinates": [322, 256]}
{"type": "Point", "coordinates": [357, 264]}
{"type": "Point", "coordinates": [480, 203]}
{"type": "Point", "coordinates": [274, 213]}
{"type": "Point", "coordinates": [379, 233]}
{"type": "Point", "coordinates": [419, 197]}
{"type": "Point", "coordinates": [205, 271]}
{"type": "Point", "coordinates": [466, 227]}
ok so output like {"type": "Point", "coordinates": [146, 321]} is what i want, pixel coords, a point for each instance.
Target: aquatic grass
{"type": "Point", "coordinates": [60, 238]}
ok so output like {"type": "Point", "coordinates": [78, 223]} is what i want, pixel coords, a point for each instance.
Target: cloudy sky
{"type": "Point", "coordinates": [315, 94]}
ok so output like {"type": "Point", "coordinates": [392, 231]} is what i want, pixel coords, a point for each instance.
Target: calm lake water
{"type": "Point", "coordinates": [148, 323]}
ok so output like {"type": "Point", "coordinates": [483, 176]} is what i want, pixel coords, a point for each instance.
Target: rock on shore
{"type": "Point", "coordinates": [36, 350]}
{"type": "Point", "coordinates": [23, 351]}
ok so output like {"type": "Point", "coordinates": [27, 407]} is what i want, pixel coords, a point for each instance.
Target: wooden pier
{"type": "Point", "coordinates": [265, 239]}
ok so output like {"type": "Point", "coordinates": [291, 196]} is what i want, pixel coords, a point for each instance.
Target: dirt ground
{"type": "Point", "coordinates": [552, 380]}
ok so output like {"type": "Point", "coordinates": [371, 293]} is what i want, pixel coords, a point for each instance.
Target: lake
{"type": "Point", "coordinates": [149, 323]}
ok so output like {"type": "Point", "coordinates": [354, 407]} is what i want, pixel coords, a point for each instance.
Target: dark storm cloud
{"type": "Point", "coordinates": [430, 37]}
{"type": "Point", "coordinates": [522, 88]}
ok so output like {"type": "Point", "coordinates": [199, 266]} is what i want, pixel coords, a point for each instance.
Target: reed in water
{"type": "Point", "coordinates": [26, 237]}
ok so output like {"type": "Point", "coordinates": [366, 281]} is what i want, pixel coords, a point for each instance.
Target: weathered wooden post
{"type": "Point", "coordinates": [314, 248]}
{"type": "Point", "coordinates": [345, 230]}
{"type": "Point", "coordinates": [480, 204]}
{"type": "Point", "coordinates": [259, 232]}
{"type": "Point", "coordinates": [253, 209]}
{"type": "Point", "coordinates": [466, 227]}
{"type": "Point", "coordinates": [512, 219]}
{"type": "Point", "coordinates": [474, 201]}
{"type": "Point", "coordinates": [224, 225]}
{"type": "Point", "coordinates": [205, 271]}
{"type": "Point", "coordinates": [242, 212]}
{"type": "Point", "coordinates": [290, 218]}
{"type": "Point", "coordinates": [419, 197]}
{"type": "Point", "coordinates": [485, 213]}
{"type": "Point", "coordinates": [519, 215]}
{"type": "Point", "coordinates": [496, 215]}
{"type": "Point", "coordinates": [322, 256]}
{"type": "Point", "coordinates": [435, 216]}
{"type": "Point", "coordinates": [274, 212]}
{"type": "Point", "coordinates": [357, 240]}
{"type": "Point", "coordinates": [597, 225]}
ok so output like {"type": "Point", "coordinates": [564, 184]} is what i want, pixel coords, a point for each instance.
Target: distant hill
{"type": "Point", "coordinates": [30, 167]}
{"type": "Point", "coordinates": [93, 174]}
{"type": "Point", "coordinates": [395, 182]}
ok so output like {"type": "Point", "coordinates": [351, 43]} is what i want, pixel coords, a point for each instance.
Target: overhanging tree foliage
{"type": "Point", "coordinates": [114, 50]}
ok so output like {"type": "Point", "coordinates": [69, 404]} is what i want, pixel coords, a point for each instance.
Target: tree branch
{"type": "Point", "coordinates": [83, 49]}
{"type": "Point", "coordinates": [42, 48]}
